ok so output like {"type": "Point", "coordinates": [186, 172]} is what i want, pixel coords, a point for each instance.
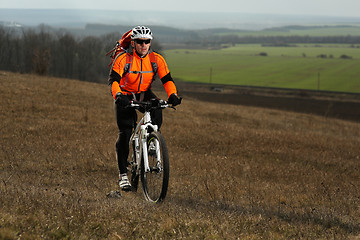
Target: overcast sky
{"type": "Point", "coordinates": [346, 8]}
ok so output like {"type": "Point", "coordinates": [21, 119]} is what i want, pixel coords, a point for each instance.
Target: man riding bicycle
{"type": "Point", "coordinates": [130, 78]}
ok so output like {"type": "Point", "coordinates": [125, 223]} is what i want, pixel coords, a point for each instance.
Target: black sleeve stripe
{"type": "Point", "coordinates": [113, 76]}
{"type": "Point", "coordinates": [167, 78]}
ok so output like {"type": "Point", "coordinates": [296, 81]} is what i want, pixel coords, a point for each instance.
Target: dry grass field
{"type": "Point", "coordinates": [236, 171]}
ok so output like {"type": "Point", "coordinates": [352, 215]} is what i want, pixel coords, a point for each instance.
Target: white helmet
{"type": "Point", "coordinates": [141, 32]}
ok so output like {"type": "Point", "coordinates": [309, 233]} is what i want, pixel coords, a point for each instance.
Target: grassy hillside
{"type": "Point", "coordinates": [284, 67]}
{"type": "Point", "coordinates": [236, 171]}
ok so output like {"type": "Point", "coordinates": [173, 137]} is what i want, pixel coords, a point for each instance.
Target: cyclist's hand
{"type": "Point", "coordinates": [122, 100]}
{"type": "Point", "coordinates": [174, 99]}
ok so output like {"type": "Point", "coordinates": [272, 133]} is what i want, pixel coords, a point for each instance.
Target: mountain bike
{"type": "Point", "coordinates": [148, 156]}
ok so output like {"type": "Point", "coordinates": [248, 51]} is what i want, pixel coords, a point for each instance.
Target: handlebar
{"type": "Point", "coordinates": [153, 103]}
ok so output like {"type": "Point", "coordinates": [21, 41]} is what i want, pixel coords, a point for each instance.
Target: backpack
{"type": "Point", "coordinates": [122, 46]}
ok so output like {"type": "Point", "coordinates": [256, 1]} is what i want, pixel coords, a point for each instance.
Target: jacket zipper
{"type": "Point", "coordinates": [141, 66]}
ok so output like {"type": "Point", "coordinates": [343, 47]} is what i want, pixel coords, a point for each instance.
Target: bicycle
{"type": "Point", "coordinates": [148, 156]}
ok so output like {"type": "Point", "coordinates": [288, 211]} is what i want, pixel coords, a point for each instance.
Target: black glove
{"type": "Point", "coordinates": [174, 99]}
{"type": "Point", "coordinates": [122, 100]}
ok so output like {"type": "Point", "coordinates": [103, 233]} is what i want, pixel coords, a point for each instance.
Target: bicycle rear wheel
{"type": "Point", "coordinates": [155, 182]}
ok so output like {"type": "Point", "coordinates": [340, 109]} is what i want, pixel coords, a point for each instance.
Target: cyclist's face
{"type": "Point", "coordinates": [142, 46]}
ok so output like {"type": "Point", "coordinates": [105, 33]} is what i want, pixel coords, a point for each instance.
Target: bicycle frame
{"type": "Point", "coordinates": [141, 133]}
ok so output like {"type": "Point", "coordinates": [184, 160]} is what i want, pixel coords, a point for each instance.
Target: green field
{"type": "Point", "coordinates": [285, 67]}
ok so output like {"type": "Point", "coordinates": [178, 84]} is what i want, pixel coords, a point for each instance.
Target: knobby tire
{"type": "Point", "coordinates": [155, 183]}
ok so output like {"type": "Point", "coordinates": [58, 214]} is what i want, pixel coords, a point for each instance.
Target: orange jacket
{"type": "Point", "coordinates": [139, 76]}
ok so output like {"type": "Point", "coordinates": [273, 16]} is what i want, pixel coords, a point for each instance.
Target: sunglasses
{"type": "Point", "coordinates": [141, 41]}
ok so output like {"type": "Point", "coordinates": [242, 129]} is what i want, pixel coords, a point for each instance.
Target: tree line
{"type": "Point", "coordinates": [57, 54]}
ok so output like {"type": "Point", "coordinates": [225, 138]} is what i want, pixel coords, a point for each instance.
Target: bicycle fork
{"type": "Point", "coordinates": [140, 140]}
{"type": "Point", "coordinates": [144, 134]}
{"type": "Point", "coordinates": [144, 148]}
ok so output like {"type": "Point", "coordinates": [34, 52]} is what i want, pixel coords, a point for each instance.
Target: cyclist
{"type": "Point", "coordinates": [135, 83]}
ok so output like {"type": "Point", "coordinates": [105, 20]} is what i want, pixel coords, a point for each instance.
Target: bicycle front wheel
{"type": "Point", "coordinates": [155, 181]}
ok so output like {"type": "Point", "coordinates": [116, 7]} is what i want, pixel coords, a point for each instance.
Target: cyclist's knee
{"type": "Point", "coordinates": [124, 137]}
{"type": "Point", "coordinates": [156, 117]}
{"type": "Point", "coordinates": [125, 132]}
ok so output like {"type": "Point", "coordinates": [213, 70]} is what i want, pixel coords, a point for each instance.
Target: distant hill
{"type": "Point", "coordinates": [195, 20]}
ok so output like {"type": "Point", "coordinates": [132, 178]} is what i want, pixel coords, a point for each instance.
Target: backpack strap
{"type": "Point", "coordinates": [153, 62]}
{"type": "Point", "coordinates": [128, 63]}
